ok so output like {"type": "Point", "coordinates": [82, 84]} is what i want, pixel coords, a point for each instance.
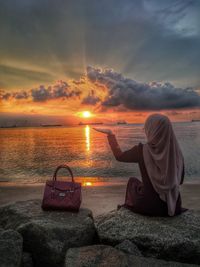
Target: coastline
{"type": "Point", "coordinates": [100, 198]}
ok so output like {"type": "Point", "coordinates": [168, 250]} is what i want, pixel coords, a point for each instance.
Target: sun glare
{"type": "Point", "coordinates": [87, 184]}
{"type": "Point", "coordinates": [86, 114]}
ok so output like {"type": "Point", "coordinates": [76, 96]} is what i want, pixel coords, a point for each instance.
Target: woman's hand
{"type": "Point", "coordinates": [105, 131]}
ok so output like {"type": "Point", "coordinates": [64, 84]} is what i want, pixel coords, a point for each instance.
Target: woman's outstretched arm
{"type": "Point", "coordinates": [131, 155]}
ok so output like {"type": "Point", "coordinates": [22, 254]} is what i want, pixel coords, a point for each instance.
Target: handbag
{"type": "Point", "coordinates": [62, 195]}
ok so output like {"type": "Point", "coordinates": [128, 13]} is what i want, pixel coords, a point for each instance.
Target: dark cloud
{"type": "Point", "coordinates": [42, 93]}
{"type": "Point", "coordinates": [21, 95]}
{"type": "Point", "coordinates": [121, 93]}
{"type": "Point", "coordinates": [16, 95]}
{"type": "Point", "coordinates": [4, 95]}
{"type": "Point", "coordinates": [91, 99]}
{"type": "Point", "coordinates": [142, 96]}
{"type": "Point", "coordinates": [59, 90]}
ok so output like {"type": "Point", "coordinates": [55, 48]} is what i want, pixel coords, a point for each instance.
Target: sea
{"type": "Point", "coordinates": [31, 155]}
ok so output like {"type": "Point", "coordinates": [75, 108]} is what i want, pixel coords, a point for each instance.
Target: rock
{"type": "Point", "coordinates": [27, 260]}
{"type": "Point", "coordinates": [11, 245]}
{"type": "Point", "coordinates": [171, 238]}
{"type": "Point", "coordinates": [97, 255]}
{"type": "Point", "coordinates": [107, 256]}
{"type": "Point", "coordinates": [48, 234]}
{"type": "Point", "coordinates": [128, 247]}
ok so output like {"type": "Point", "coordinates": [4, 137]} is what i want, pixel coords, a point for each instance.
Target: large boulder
{"type": "Point", "coordinates": [48, 234]}
{"type": "Point", "coordinates": [11, 245]}
{"type": "Point", "coordinates": [107, 256]}
{"type": "Point", "coordinates": [171, 238]}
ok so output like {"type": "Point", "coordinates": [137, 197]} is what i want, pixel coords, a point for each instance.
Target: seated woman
{"type": "Point", "coordinates": [161, 165]}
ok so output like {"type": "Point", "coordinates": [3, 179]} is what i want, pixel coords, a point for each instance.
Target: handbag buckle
{"type": "Point", "coordinates": [62, 194]}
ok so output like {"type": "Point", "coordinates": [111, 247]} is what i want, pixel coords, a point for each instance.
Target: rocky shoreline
{"type": "Point", "coordinates": [30, 237]}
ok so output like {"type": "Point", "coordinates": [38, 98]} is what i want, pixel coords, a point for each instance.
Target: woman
{"type": "Point", "coordinates": [161, 165]}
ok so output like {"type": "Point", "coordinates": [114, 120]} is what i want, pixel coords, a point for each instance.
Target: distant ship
{"type": "Point", "coordinates": [121, 122]}
{"type": "Point", "coordinates": [90, 123]}
{"type": "Point", "coordinates": [51, 125]}
{"type": "Point", "coordinates": [194, 120]}
{"type": "Point", "coordinates": [12, 126]}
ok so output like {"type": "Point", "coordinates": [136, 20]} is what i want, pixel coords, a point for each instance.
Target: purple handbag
{"type": "Point", "coordinates": [60, 195]}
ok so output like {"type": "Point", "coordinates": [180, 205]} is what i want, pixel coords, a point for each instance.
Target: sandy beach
{"type": "Point", "coordinates": [99, 199]}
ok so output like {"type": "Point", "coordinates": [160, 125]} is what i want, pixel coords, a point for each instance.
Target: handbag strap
{"type": "Point", "coordinates": [65, 167]}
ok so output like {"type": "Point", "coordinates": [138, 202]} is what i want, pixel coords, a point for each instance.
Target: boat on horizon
{"type": "Point", "coordinates": [121, 122]}
{"type": "Point", "coordinates": [51, 125]}
{"type": "Point", "coordinates": [11, 126]}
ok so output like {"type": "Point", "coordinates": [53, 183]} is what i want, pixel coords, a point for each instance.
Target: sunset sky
{"type": "Point", "coordinates": [118, 59]}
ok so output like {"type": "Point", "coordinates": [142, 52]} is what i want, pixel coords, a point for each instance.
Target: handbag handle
{"type": "Point", "coordinates": [65, 167]}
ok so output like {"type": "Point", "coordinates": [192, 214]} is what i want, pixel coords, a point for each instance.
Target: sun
{"type": "Point", "coordinates": [86, 114]}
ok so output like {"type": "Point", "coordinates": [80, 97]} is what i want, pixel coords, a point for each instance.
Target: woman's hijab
{"type": "Point", "coordinates": [163, 159]}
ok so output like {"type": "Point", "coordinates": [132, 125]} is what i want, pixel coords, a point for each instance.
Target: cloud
{"type": "Point", "coordinates": [60, 90]}
{"type": "Point", "coordinates": [119, 94]}
{"type": "Point", "coordinates": [135, 95]}
{"type": "Point", "coordinates": [79, 82]}
{"type": "Point", "coordinates": [91, 99]}
{"type": "Point", "coordinates": [21, 95]}
{"type": "Point", "coordinates": [16, 95]}
{"type": "Point", "coordinates": [4, 95]}
{"type": "Point", "coordinates": [41, 94]}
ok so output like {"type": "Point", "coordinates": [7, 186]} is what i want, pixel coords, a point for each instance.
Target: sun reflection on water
{"type": "Point", "coordinates": [87, 136]}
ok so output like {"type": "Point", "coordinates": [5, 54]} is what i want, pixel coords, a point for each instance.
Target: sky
{"type": "Point", "coordinates": [118, 59]}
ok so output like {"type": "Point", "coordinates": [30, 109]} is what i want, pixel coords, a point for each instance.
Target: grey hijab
{"type": "Point", "coordinates": [163, 159]}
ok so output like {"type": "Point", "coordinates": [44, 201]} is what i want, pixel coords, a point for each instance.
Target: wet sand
{"type": "Point", "coordinates": [99, 199]}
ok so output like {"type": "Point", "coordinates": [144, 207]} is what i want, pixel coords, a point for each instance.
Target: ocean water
{"type": "Point", "coordinates": [30, 155]}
